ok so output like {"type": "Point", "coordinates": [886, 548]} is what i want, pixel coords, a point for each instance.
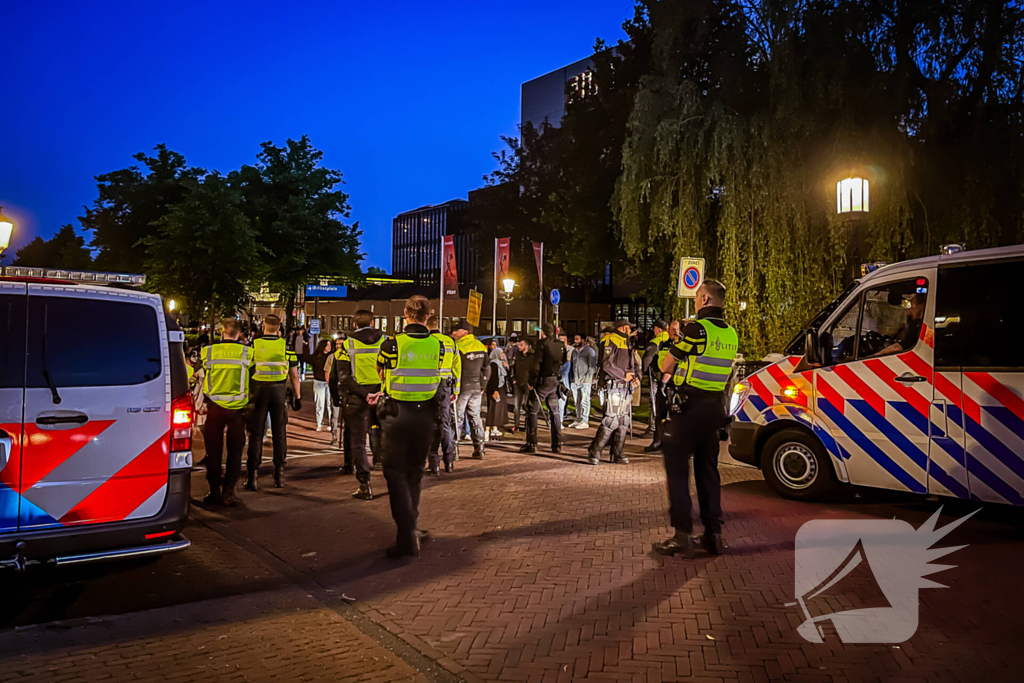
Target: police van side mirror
{"type": "Point", "coordinates": [812, 348]}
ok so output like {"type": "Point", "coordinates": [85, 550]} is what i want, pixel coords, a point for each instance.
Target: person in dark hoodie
{"type": "Point", "coordinates": [356, 363]}
{"type": "Point", "coordinates": [543, 387]}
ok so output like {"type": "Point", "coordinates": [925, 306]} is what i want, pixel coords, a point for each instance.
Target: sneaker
{"type": "Point", "coordinates": [581, 425]}
{"type": "Point", "coordinates": [364, 492]}
{"type": "Point", "coordinates": [319, 428]}
{"type": "Point", "coordinates": [677, 545]}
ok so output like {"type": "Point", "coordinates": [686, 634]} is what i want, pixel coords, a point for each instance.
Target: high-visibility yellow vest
{"type": "Point", "coordinates": [271, 358]}
{"type": "Point", "coordinates": [363, 359]}
{"type": "Point", "coordinates": [418, 371]}
{"type": "Point", "coordinates": [227, 374]}
{"type": "Point", "coordinates": [191, 371]}
{"type": "Point", "coordinates": [660, 340]}
{"type": "Point", "coordinates": [711, 370]}
{"type": "Point", "coordinates": [451, 364]}
{"type": "Point", "coordinates": [470, 344]}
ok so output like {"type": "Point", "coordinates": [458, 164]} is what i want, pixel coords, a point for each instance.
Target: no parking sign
{"type": "Point", "coordinates": [691, 276]}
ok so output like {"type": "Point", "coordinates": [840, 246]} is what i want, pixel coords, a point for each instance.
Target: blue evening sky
{"type": "Point", "coordinates": [406, 98]}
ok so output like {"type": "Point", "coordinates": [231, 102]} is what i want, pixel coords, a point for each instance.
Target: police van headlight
{"type": "Point", "coordinates": [739, 394]}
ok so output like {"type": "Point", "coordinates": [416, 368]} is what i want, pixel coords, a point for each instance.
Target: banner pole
{"type": "Point", "coordinates": [440, 301]}
{"type": "Point", "coordinates": [540, 314]}
{"type": "Point", "coordinates": [494, 293]}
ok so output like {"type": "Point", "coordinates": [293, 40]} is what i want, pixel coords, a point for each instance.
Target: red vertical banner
{"type": "Point", "coordinates": [501, 260]}
{"type": "Point", "coordinates": [450, 276]}
{"type": "Point", "coordinates": [538, 255]}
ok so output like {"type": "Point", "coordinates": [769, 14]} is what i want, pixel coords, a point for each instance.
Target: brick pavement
{"type": "Point", "coordinates": [539, 569]}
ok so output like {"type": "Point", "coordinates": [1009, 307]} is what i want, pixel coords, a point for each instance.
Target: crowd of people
{"type": "Point", "coordinates": [415, 395]}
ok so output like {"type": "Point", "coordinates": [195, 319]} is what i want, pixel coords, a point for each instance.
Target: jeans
{"type": "Point", "coordinates": [444, 435]}
{"type": "Point", "coordinates": [468, 407]}
{"type": "Point", "coordinates": [321, 400]}
{"type": "Point", "coordinates": [522, 395]}
{"type": "Point", "coordinates": [581, 396]}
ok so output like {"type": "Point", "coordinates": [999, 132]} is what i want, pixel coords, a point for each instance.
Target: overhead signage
{"type": "Point", "coordinates": [326, 291]}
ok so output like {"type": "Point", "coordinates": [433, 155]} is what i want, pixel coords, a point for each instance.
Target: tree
{"type": "Point", "coordinates": [65, 250]}
{"type": "Point", "coordinates": [295, 206]}
{"type": "Point", "coordinates": [129, 205]}
{"type": "Point", "coordinates": [374, 271]}
{"type": "Point", "coordinates": [206, 250]}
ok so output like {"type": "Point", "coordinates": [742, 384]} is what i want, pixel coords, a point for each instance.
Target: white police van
{"type": "Point", "coordinates": [913, 380]}
{"type": "Point", "coordinates": [95, 420]}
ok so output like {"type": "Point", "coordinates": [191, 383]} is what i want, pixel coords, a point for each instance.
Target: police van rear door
{"type": "Point", "coordinates": [12, 393]}
{"type": "Point", "coordinates": [97, 406]}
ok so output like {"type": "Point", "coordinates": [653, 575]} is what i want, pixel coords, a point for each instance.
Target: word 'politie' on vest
{"type": "Point", "coordinates": [418, 371]}
{"type": "Point", "coordinates": [711, 370]}
{"type": "Point", "coordinates": [227, 374]}
{"type": "Point", "coordinates": [363, 358]}
{"type": "Point", "coordinates": [271, 357]}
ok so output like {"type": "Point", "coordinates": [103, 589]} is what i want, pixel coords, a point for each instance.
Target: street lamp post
{"type": "Point", "coordinates": [507, 285]}
{"type": "Point", "coordinates": [6, 230]}
{"type": "Point", "coordinates": [853, 201]}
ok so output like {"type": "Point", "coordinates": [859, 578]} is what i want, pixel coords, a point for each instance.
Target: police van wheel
{"type": "Point", "coordinates": [796, 466]}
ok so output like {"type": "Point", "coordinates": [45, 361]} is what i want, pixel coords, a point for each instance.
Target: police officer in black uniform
{"type": "Point", "coordinates": [543, 386]}
{"type": "Point", "coordinates": [708, 346]}
{"type": "Point", "coordinates": [410, 368]}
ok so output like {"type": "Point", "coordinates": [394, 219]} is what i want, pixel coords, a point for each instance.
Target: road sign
{"type": "Point", "coordinates": [555, 297]}
{"type": "Point", "coordinates": [326, 291]}
{"type": "Point", "coordinates": [314, 326]}
{"type": "Point", "coordinates": [691, 276]}
{"type": "Point", "coordinates": [476, 304]}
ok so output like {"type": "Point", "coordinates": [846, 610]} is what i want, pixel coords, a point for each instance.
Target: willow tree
{"type": "Point", "coordinates": [753, 110]}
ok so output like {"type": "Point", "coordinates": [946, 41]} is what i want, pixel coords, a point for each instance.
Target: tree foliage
{"type": "Point", "coordinates": [65, 250]}
{"type": "Point", "coordinates": [206, 250]}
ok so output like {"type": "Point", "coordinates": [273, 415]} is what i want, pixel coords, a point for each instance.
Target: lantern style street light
{"type": "Point", "coordinates": [852, 196]}
{"type": "Point", "coordinates": [172, 304]}
{"type": "Point", "coordinates": [507, 285]}
{"type": "Point", "coordinates": [6, 230]}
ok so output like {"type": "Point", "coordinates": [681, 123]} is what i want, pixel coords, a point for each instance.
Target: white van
{"type": "Point", "coordinates": [95, 420]}
{"type": "Point", "coordinates": [913, 379]}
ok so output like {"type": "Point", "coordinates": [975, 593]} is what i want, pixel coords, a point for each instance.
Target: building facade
{"type": "Point", "coordinates": [416, 243]}
{"type": "Point", "coordinates": [545, 98]}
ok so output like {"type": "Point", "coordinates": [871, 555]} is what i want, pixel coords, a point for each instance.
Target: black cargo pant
{"type": "Point", "coordinates": [444, 435]}
{"type": "Point", "coordinates": [218, 421]}
{"type": "Point", "coordinates": [407, 427]}
{"type": "Point", "coordinates": [546, 391]}
{"type": "Point", "coordinates": [269, 398]}
{"type": "Point", "coordinates": [659, 409]}
{"type": "Point", "coordinates": [694, 431]}
{"type": "Point", "coordinates": [360, 422]}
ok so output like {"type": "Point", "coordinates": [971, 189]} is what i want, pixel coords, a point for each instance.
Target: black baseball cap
{"type": "Point", "coordinates": [464, 325]}
{"type": "Point", "coordinates": [661, 323]}
{"type": "Point", "coordinates": [622, 322]}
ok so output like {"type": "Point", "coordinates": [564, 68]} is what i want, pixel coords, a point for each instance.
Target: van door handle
{"type": "Point", "coordinates": [908, 378]}
{"type": "Point", "coordinates": [61, 419]}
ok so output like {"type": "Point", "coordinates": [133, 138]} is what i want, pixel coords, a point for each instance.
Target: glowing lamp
{"type": "Point", "coordinates": [852, 196]}
{"type": "Point", "coordinates": [509, 284]}
{"type": "Point", "coordinates": [6, 229]}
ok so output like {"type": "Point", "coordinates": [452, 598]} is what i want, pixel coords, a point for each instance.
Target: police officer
{"type": "Point", "coordinates": [356, 363]}
{"type": "Point", "coordinates": [708, 346]}
{"type": "Point", "coordinates": [650, 367]}
{"type": "Point", "coordinates": [447, 393]}
{"type": "Point", "coordinates": [226, 387]}
{"type": "Point", "coordinates": [410, 367]}
{"type": "Point", "coordinates": [543, 387]}
{"type": "Point", "coordinates": [274, 365]}
{"type": "Point", "coordinates": [667, 384]}
{"type": "Point", "coordinates": [618, 377]}
{"type": "Point", "coordinates": [472, 381]}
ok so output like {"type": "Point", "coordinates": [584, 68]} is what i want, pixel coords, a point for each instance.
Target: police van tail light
{"type": "Point", "coordinates": [181, 431]}
{"type": "Point", "coordinates": [739, 394]}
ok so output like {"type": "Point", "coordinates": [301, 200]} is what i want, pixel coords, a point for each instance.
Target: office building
{"type": "Point", "coordinates": [416, 243]}
{"type": "Point", "coordinates": [546, 97]}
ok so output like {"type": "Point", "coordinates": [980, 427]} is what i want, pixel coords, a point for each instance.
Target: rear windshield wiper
{"type": "Point", "coordinates": [46, 372]}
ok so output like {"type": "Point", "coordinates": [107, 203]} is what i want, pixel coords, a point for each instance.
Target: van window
{"type": "Point", "coordinates": [977, 316]}
{"type": "Point", "coordinates": [90, 342]}
{"type": "Point", "coordinates": [893, 316]}
{"type": "Point", "coordinates": [12, 341]}
{"type": "Point", "coordinates": [844, 335]}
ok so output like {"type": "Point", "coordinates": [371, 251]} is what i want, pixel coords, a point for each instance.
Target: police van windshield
{"type": "Point", "coordinates": [796, 345]}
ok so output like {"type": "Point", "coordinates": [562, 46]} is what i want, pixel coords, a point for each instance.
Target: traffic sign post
{"type": "Point", "coordinates": [556, 296]}
{"type": "Point", "coordinates": [314, 326]}
{"type": "Point", "coordinates": [691, 277]}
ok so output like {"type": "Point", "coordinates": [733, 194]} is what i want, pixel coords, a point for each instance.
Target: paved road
{"type": "Point", "coordinates": [539, 570]}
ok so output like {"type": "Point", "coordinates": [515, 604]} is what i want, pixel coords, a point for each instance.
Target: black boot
{"type": "Point", "coordinates": [400, 550]}
{"type": "Point", "coordinates": [600, 441]}
{"type": "Point", "coordinates": [433, 470]}
{"type": "Point", "coordinates": [250, 481]}
{"type": "Point", "coordinates": [364, 492]}
{"type": "Point", "coordinates": [449, 467]}
{"type": "Point", "coordinates": [713, 543]}
{"type": "Point", "coordinates": [279, 478]}
{"type": "Point", "coordinates": [228, 497]}
{"type": "Point", "coordinates": [213, 497]}
{"type": "Point", "coordinates": [653, 448]}
{"type": "Point", "coordinates": [619, 447]}
{"type": "Point", "coordinates": [478, 453]}
{"type": "Point", "coordinates": [528, 448]}
{"type": "Point", "coordinates": [680, 544]}
{"type": "Point", "coordinates": [348, 468]}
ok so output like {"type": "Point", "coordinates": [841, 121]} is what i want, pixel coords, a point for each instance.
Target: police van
{"type": "Point", "coordinates": [912, 380]}
{"type": "Point", "coordinates": [95, 419]}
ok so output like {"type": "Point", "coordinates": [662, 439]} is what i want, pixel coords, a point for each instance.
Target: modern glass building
{"type": "Point", "coordinates": [416, 243]}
